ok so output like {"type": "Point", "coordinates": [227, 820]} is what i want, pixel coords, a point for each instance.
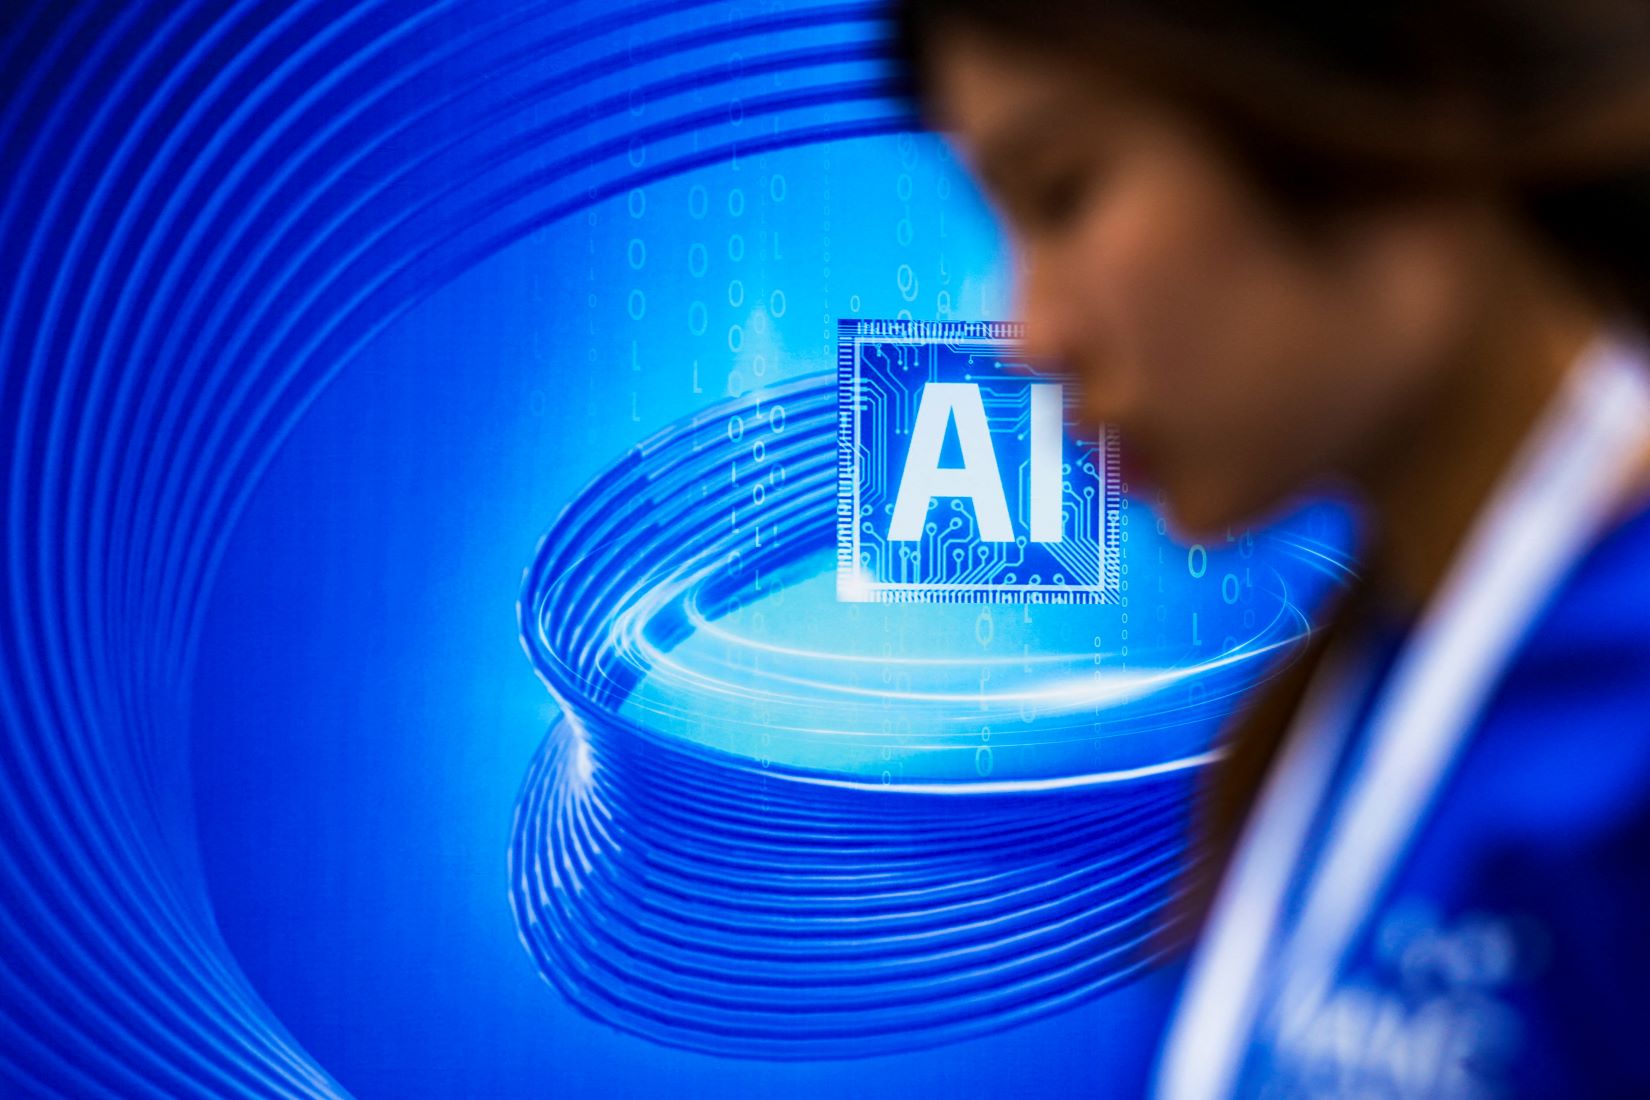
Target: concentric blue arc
{"type": "Point", "coordinates": [731, 911]}
{"type": "Point", "coordinates": [211, 207]}
{"type": "Point", "coordinates": [752, 886]}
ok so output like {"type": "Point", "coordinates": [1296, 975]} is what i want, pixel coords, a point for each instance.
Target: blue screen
{"type": "Point", "coordinates": [446, 655]}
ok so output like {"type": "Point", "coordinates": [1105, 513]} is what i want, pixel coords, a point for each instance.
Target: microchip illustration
{"type": "Point", "coordinates": [963, 476]}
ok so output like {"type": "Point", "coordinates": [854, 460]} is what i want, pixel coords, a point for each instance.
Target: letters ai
{"type": "Point", "coordinates": [978, 478]}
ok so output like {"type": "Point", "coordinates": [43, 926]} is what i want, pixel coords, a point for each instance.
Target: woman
{"type": "Point", "coordinates": [1402, 246]}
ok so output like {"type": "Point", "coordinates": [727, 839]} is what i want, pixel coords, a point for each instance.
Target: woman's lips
{"type": "Point", "coordinates": [1132, 463]}
{"type": "Point", "coordinates": [1133, 473]}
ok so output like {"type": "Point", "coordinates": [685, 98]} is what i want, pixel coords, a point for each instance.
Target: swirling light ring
{"type": "Point", "coordinates": [772, 908]}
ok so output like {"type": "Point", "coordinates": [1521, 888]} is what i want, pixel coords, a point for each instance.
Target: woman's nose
{"type": "Point", "coordinates": [1039, 309]}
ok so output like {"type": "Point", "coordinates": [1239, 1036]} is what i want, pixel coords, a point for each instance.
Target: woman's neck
{"type": "Point", "coordinates": [1426, 490]}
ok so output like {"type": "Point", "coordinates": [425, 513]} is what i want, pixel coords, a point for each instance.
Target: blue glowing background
{"type": "Point", "coordinates": [320, 317]}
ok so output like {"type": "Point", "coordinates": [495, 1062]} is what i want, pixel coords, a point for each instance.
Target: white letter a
{"type": "Point", "coordinates": [978, 479]}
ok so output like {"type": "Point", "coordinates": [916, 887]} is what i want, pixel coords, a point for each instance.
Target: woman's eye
{"type": "Point", "coordinates": [1054, 202]}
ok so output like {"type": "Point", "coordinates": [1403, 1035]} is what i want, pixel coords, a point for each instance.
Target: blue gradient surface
{"type": "Point", "coordinates": [317, 316]}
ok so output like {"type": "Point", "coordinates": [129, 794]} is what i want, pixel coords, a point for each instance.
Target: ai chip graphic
{"type": "Point", "coordinates": [963, 476]}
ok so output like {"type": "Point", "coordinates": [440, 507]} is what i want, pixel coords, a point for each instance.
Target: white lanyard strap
{"type": "Point", "coordinates": [1546, 509]}
{"type": "Point", "coordinates": [1231, 954]}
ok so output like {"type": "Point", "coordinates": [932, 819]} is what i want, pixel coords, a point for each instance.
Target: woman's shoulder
{"type": "Point", "coordinates": [1605, 599]}
{"type": "Point", "coordinates": [1564, 739]}
{"type": "Point", "coordinates": [1544, 821]}
{"type": "Point", "coordinates": [1593, 632]}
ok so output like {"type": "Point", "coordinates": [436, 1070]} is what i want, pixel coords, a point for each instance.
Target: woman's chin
{"type": "Point", "coordinates": [1198, 515]}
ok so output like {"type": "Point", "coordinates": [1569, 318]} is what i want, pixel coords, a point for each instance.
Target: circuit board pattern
{"type": "Point", "coordinates": [886, 371]}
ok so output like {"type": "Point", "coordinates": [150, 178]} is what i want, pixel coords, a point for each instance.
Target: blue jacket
{"type": "Point", "coordinates": [1510, 951]}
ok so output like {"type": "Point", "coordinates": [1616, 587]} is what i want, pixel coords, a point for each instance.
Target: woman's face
{"type": "Point", "coordinates": [1239, 359]}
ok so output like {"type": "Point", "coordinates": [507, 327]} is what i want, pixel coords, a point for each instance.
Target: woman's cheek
{"type": "Point", "coordinates": [1122, 344]}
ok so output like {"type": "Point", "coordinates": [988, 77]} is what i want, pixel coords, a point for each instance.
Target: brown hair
{"type": "Point", "coordinates": [1544, 104]}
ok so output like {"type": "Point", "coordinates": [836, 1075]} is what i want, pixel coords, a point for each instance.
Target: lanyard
{"type": "Point", "coordinates": [1547, 508]}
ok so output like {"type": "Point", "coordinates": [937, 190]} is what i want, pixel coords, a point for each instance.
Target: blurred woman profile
{"type": "Point", "coordinates": [1401, 246]}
